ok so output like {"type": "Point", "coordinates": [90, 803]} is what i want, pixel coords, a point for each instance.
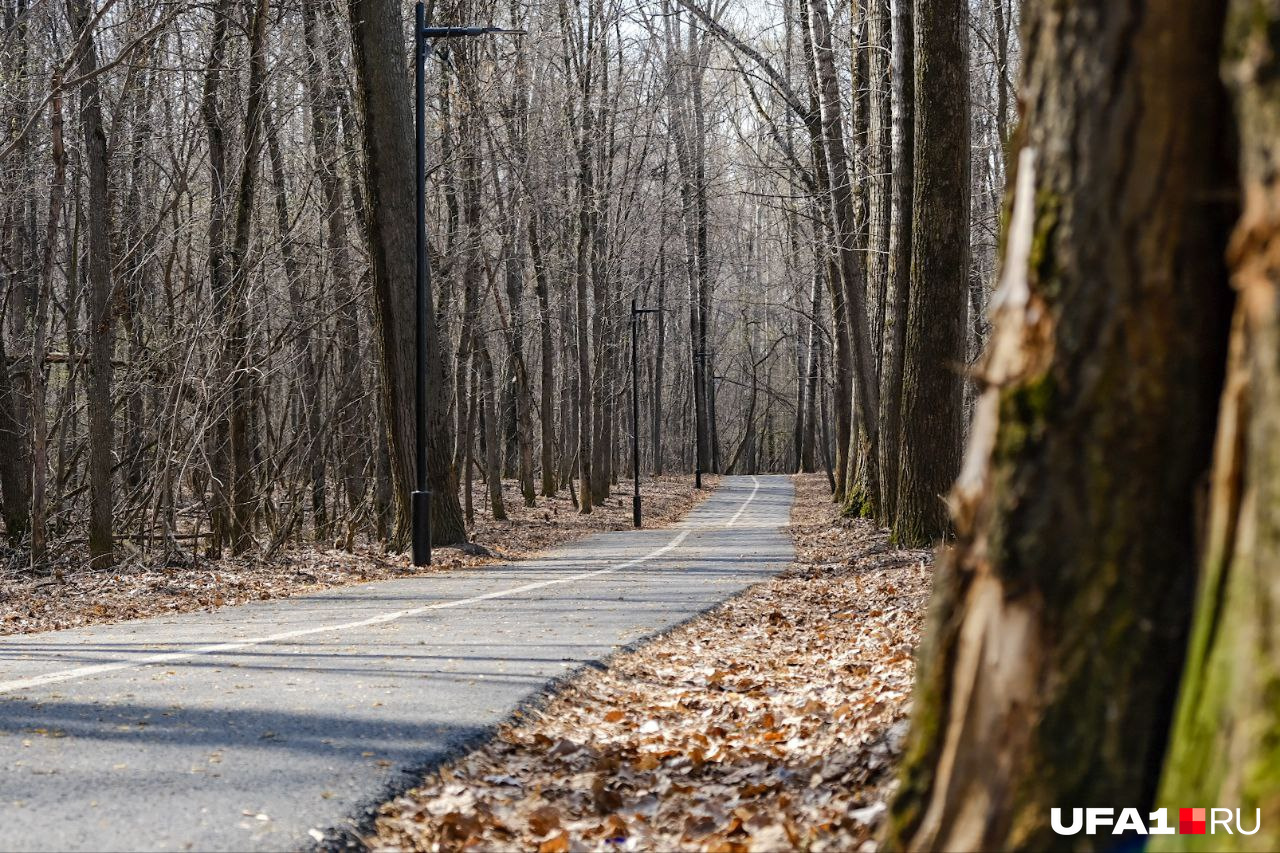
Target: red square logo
{"type": "Point", "coordinates": [1191, 821]}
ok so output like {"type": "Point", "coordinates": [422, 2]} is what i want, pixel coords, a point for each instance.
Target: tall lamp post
{"type": "Point", "coordinates": [421, 498]}
{"type": "Point", "coordinates": [636, 313]}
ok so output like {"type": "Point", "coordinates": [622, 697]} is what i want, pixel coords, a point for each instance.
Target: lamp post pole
{"type": "Point", "coordinates": [420, 504]}
{"type": "Point", "coordinates": [700, 357]}
{"type": "Point", "coordinates": [636, 312]}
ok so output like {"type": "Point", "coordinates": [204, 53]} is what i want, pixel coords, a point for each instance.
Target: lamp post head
{"type": "Point", "coordinates": [457, 32]}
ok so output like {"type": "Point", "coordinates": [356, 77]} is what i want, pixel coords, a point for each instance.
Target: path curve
{"type": "Point", "coordinates": [254, 727]}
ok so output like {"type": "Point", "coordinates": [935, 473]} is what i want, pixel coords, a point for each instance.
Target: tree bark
{"type": "Point", "coordinates": [307, 373]}
{"type": "Point", "coordinates": [219, 271]}
{"type": "Point", "coordinates": [385, 103]}
{"type": "Point", "coordinates": [1223, 749]}
{"type": "Point", "coordinates": [39, 347]}
{"type": "Point", "coordinates": [1059, 619]}
{"type": "Point", "coordinates": [236, 351]}
{"type": "Point", "coordinates": [547, 385]}
{"type": "Point", "coordinates": [324, 101]}
{"type": "Point", "coordinates": [492, 450]}
{"type": "Point", "coordinates": [898, 289]}
{"type": "Point", "coordinates": [861, 501]}
{"type": "Point", "coordinates": [880, 167]}
{"type": "Point", "coordinates": [101, 428]}
{"type": "Point", "coordinates": [934, 345]}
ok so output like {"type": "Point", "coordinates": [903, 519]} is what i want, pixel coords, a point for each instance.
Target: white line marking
{"type": "Point", "coordinates": [201, 651]}
{"type": "Point", "coordinates": [755, 488]}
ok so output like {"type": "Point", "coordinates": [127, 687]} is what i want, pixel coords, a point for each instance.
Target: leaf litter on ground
{"type": "Point", "coordinates": [772, 722]}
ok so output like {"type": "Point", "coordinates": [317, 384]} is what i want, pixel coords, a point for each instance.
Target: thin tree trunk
{"type": "Point", "coordinates": [660, 350]}
{"type": "Point", "coordinates": [307, 377]}
{"type": "Point", "coordinates": [492, 450]}
{"type": "Point", "coordinates": [39, 347]}
{"type": "Point", "coordinates": [851, 273]}
{"type": "Point", "coordinates": [101, 431]}
{"type": "Point", "coordinates": [217, 445]}
{"type": "Point", "coordinates": [547, 389]}
{"type": "Point", "coordinates": [236, 353]}
{"type": "Point", "coordinates": [900, 239]}
{"type": "Point", "coordinates": [324, 100]}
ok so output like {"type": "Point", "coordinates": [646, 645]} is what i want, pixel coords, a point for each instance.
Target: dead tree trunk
{"type": "Point", "coordinates": [1223, 748]}
{"type": "Point", "coordinates": [1059, 620]}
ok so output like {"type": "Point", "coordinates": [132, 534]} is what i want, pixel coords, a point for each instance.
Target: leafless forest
{"type": "Point", "coordinates": [1005, 275]}
{"type": "Point", "coordinates": [206, 270]}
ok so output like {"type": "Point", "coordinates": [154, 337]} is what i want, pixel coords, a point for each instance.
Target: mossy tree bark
{"type": "Point", "coordinates": [937, 298]}
{"type": "Point", "coordinates": [1225, 749]}
{"type": "Point", "coordinates": [1060, 617]}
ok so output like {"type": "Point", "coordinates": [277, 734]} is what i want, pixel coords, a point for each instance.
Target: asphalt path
{"type": "Point", "coordinates": [264, 726]}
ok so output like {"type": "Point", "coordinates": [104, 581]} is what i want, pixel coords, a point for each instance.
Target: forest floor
{"type": "Point", "coordinates": [773, 721]}
{"type": "Point", "coordinates": [76, 595]}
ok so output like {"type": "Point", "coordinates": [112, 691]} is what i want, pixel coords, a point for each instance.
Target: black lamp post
{"type": "Point", "coordinates": [635, 408]}
{"type": "Point", "coordinates": [700, 369]}
{"type": "Point", "coordinates": [421, 498]}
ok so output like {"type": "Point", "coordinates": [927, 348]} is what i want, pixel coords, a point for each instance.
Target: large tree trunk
{"type": "Point", "coordinates": [101, 333]}
{"type": "Point", "coordinates": [937, 300]}
{"type": "Point", "coordinates": [1059, 620]}
{"type": "Point", "coordinates": [386, 104]}
{"type": "Point", "coordinates": [1224, 750]}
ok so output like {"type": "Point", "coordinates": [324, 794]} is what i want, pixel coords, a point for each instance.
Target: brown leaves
{"type": "Point", "coordinates": [770, 723]}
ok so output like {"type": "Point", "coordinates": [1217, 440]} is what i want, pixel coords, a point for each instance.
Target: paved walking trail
{"type": "Point", "coordinates": [249, 727]}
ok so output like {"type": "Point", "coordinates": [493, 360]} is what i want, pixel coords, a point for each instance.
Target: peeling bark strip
{"type": "Point", "coordinates": [1224, 749]}
{"type": "Point", "coordinates": [1059, 619]}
